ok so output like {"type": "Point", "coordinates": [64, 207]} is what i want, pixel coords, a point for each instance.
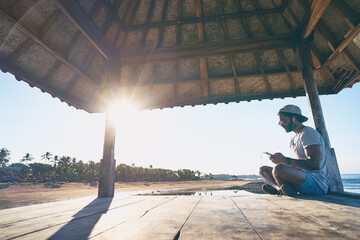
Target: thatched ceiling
{"type": "Point", "coordinates": [166, 53]}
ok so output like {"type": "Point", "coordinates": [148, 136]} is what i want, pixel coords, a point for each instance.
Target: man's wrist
{"type": "Point", "coordinates": [287, 160]}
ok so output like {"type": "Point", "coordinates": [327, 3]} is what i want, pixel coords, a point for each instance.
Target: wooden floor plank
{"type": "Point", "coordinates": [217, 218]}
{"type": "Point", "coordinates": [95, 224]}
{"type": "Point", "coordinates": [61, 218]}
{"type": "Point", "coordinates": [45, 209]}
{"type": "Point", "coordinates": [277, 221]}
{"type": "Point", "coordinates": [163, 222]}
{"type": "Point", "coordinates": [331, 212]}
{"type": "Point", "coordinates": [186, 217]}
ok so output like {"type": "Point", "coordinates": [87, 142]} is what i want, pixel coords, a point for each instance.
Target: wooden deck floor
{"type": "Point", "coordinates": [186, 217]}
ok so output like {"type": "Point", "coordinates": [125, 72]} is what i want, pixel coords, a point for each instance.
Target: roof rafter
{"type": "Point", "coordinates": [317, 9]}
{"type": "Point", "coordinates": [209, 79]}
{"type": "Point", "coordinates": [120, 38]}
{"type": "Point", "coordinates": [47, 46]}
{"type": "Point", "coordinates": [333, 44]}
{"type": "Point", "coordinates": [161, 30]}
{"type": "Point", "coordinates": [147, 20]}
{"type": "Point", "coordinates": [76, 14]}
{"type": "Point", "coordinates": [231, 58]}
{"type": "Point", "coordinates": [325, 72]}
{"type": "Point", "coordinates": [256, 55]}
{"type": "Point", "coordinates": [351, 17]}
{"type": "Point", "coordinates": [44, 86]}
{"type": "Point", "coordinates": [287, 13]}
{"type": "Point", "coordinates": [206, 49]}
{"type": "Point", "coordinates": [202, 60]}
{"type": "Point", "coordinates": [352, 34]}
{"type": "Point", "coordinates": [208, 18]}
{"type": "Point", "coordinates": [215, 100]}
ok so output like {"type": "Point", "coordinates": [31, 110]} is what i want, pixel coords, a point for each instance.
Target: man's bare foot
{"type": "Point", "coordinates": [269, 189]}
{"type": "Point", "coordinates": [288, 190]}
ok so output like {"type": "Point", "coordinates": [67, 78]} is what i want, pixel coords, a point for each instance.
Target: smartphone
{"type": "Point", "coordinates": [267, 153]}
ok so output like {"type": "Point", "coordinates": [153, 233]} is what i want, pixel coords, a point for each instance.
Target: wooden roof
{"type": "Point", "coordinates": [166, 53]}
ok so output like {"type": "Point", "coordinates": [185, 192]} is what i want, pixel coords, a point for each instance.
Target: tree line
{"type": "Point", "coordinates": [65, 168]}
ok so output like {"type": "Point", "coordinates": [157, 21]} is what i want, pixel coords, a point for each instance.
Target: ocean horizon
{"type": "Point", "coordinates": [351, 182]}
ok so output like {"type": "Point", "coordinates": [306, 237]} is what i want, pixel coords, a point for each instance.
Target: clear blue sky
{"type": "Point", "coordinates": [212, 139]}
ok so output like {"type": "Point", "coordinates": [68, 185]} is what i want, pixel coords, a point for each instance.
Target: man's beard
{"type": "Point", "coordinates": [290, 126]}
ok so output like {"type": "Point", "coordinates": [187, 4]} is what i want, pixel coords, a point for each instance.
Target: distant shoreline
{"type": "Point", "coordinates": [22, 195]}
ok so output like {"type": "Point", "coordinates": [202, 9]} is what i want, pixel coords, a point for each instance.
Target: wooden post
{"type": "Point", "coordinates": [317, 114]}
{"type": "Point", "coordinates": [107, 164]}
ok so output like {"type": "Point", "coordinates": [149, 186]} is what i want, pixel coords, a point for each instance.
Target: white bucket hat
{"type": "Point", "coordinates": [292, 109]}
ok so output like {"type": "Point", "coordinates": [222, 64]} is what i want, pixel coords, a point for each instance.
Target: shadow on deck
{"type": "Point", "coordinates": [257, 216]}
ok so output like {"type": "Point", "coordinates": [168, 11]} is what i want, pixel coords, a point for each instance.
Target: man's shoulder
{"type": "Point", "coordinates": [311, 134]}
{"type": "Point", "coordinates": [309, 130]}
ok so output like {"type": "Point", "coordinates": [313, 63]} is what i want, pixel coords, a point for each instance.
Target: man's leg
{"type": "Point", "coordinates": [266, 173]}
{"type": "Point", "coordinates": [286, 174]}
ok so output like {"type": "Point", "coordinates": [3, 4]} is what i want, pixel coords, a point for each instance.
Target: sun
{"type": "Point", "coordinates": [122, 111]}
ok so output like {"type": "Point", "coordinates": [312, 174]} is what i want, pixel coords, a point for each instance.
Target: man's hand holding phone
{"type": "Point", "coordinates": [277, 158]}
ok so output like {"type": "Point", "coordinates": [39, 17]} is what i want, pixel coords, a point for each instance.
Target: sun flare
{"type": "Point", "coordinates": [122, 111]}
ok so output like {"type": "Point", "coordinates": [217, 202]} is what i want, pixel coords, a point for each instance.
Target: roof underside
{"type": "Point", "coordinates": [166, 53]}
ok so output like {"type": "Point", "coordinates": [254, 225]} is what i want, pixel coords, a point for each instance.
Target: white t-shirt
{"type": "Point", "coordinates": [309, 136]}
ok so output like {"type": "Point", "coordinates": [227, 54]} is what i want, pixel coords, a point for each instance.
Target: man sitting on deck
{"type": "Point", "coordinates": [306, 172]}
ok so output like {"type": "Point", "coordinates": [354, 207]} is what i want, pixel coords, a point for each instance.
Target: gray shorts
{"type": "Point", "coordinates": [309, 186]}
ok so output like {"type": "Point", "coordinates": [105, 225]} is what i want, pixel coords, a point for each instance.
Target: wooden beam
{"type": "Point", "coordinates": [233, 69]}
{"type": "Point", "coordinates": [202, 60]}
{"type": "Point", "coordinates": [178, 25]}
{"type": "Point", "coordinates": [32, 80]}
{"type": "Point", "coordinates": [47, 46]}
{"type": "Point", "coordinates": [325, 72]}
{"type": "Point", "coordinates": [283, 61]}
{"type": "Point", "coordinates": [226, 35]}
{"type": "Point", "coordinates": [242, 15]}
{"type": "Point", "coordinates": [209, 79]}
{"type": "Point", "coordinates": [349, 14]}
{"type": "Point", "coordinates": [342, 46]}
{"type": "Point", "coordinates": [266, 81]}
{"type": "Point", "coordinates": [317, 114]}
{"type": "Point", "coordinates": [207, 49]}
{"type": "Point", "coordinates": [287, 13]}
{"type": "Point", "coordinates": [147, 20]}
{"type": "Point", "coordinates": [248, 98]}
{"type": "Point", "coordinates": [89, 57]}
{"type": "Point", "coordinates": [107, 164]}
{"type": "Point", "coordinates": [113, 11]}
{"type": "Point", "coordinates": [127, 18]}
{"type": "Point", "coordinates": [328, 35]}
{"type": "Point", "coordinates": [316, 11]}
{"type": "Point", "coordinates": [76, 14]}
{"type": "Point", "coordinates": [333, 44]}
{"type": "Point", "coordinates": [349, 57]}
{"type": "Point", "coordinates": [256, 55]}
{"type": "Point", "coordinates": [163, 17]}
{"type": "Point", "coordinates": [278, 52]}
{"type": "Point", "coordinates": [347, 82]}
{"type": "Point", "coordinates": [353, 33]}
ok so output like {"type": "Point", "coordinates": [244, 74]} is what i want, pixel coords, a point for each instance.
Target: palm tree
{"type": "Point", "coordinates": [56, 160]}
{"type": "Point", "coordinates": [27, 158]}
{"type": "Point", "coordinates": [4, 157]}
{"type": "Point", "coordinates": [47, 156]}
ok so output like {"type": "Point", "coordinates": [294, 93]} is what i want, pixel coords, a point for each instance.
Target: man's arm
{"type": "Point", "coordinates": [312, 162]}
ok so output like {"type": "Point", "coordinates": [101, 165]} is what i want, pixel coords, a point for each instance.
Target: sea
{"type": "Point", "coordinates": [351, 182]}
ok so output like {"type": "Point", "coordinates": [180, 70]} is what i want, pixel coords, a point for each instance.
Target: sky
{"type": "Point", "coordinates": [217, 139]}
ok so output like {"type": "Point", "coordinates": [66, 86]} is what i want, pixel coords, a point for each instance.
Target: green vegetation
{"type": "Point", "coordinates": [69, 169]}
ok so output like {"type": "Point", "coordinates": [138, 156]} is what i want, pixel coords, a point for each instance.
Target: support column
{"type": "Point", "coordinates": [317, 114]}
{"type": "Point", "coordinates": [107, 164]}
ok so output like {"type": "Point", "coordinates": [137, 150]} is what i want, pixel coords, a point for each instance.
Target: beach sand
{"type": "Point", "coordinates": [26, 194]}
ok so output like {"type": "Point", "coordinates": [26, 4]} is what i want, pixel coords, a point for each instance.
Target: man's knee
{"type": "Point", "coordinates": [264, 169]}
{"type": "Point", "coordinates": [279, 170]}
